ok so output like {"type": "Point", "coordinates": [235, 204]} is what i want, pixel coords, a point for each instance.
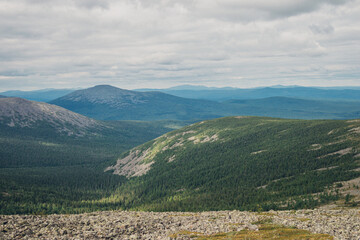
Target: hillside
{"type": "Point", "coordinates": [110, 103]}
{"type": "Point", "coordinates": [245, 163]}
{"type": "Point", "coordinates": [51, 158]}
{"type": "Point", "coordinates": [21, 113]}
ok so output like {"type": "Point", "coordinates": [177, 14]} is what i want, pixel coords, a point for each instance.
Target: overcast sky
{"type": "Point", "coordinates": [162, 43]}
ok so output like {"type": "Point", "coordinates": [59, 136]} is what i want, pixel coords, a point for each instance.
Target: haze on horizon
{"type": "Point", "coordinates": [165, 43]}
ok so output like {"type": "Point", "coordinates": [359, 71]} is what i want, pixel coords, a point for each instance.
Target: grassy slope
{"type": "Point", "coordinates": [251, 163]}
{"type": "Point", "coordinates": [44, 172]}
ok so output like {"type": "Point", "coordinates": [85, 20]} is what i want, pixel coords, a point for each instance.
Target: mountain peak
{"type": "Point", "coordinates": [105, 87]}
{"type": "Point", "coordinates": [102, 95]}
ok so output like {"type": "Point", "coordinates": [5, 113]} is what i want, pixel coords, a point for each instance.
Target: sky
{"type": "Point", "coordinates": [158, 44]}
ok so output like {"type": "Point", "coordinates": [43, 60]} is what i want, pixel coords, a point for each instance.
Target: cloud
{"type": "Point", "coordinates": [252, 10]}
{"type": "Point", "coordinates": [321, 29]}
{"type": "Point", "coordinates": [147, 43]}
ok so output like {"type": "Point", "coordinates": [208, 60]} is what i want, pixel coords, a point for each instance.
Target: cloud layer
{"type": "Point", "coordinates": [147, 43]}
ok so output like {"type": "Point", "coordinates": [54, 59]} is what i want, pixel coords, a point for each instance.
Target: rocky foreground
{"type": "Point", "coordinates": [342, 224]}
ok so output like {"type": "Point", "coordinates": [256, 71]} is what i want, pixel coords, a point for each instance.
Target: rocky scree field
{"type": "Point", "coordinates": [302, 224]}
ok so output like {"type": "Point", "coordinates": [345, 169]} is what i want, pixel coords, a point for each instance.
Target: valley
{"type": "Point", "coordinates": [207, 120]}
{"type": "Point", "coordinates": [52, 159]}
{"type": "Point", "coordinates": [57, 161]}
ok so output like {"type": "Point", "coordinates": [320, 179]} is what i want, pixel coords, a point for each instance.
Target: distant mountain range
{"type": "Point", "coordinates": [224, 94]}
{"type": "Point", "coordinates": [105, 102]}
{"type": "Point", "coordinates": [216, 93]}
{"type": "Point", "coordinates": [285, 107]}
{"type": "Point", "coordinates": [247, 163]}
{"type": "Point", "coordinates": [110, 103]}
{"type": "Point", "coordinates": [44, 95]}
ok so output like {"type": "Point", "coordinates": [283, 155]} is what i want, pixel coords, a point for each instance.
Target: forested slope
{"type": "Point", "coordinates": [52, 159]}
{"type": "Point", "coordinates": [245, 163]}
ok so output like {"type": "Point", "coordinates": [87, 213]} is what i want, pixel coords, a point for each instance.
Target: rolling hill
{"type": "Point", "coordinates": [105, 102]}
{"type": "Point", "coordinates": [246, 163]}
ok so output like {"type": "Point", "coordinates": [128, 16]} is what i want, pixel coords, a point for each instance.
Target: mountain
{"type": "Point", "coordinates": [110, 103]}
{"type": "Point", "coordinates": [43, 95]}
{"type": "Point", "coordinates": [224, 94]}
{"type": "Point", "coordinates": [285, 107]}
{"type": "Point", "coordinates": [185, 87]}
{"type": "Point", "coordinates": [21, 113]}
{"type": "Point", "coordinates": [28, 127]}
{"type": "Point", "coordinates": [52, 159]}
{"type": "Point", "coordinates": [246, 163]}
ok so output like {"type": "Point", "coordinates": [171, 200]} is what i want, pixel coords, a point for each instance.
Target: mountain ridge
{"type": "Point", "coordinates": [241, 163]}
{"type": "Point", "coordinates": [106, 102]}
{"type": "Point", "coordinates": [224, 94]}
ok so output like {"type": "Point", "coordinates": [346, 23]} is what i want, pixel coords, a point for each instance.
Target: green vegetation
{"type": "Point", "coordinates": [42, 171]}
{"type": "Point", "coordinates": [266, 231]}
{"type": "Point", "coordinates": [249, 163]}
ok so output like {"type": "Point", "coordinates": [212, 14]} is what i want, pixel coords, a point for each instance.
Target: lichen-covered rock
{"type": "Point", "coordinates": [342, 224]}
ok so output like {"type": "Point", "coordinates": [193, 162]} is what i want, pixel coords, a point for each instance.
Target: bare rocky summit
{"type": "Point", "coordinates": [18, 112]}
{"type": "Point", "coordinates": [105, 94]}
{"type": "Point", "coordinates": [341, 224]}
